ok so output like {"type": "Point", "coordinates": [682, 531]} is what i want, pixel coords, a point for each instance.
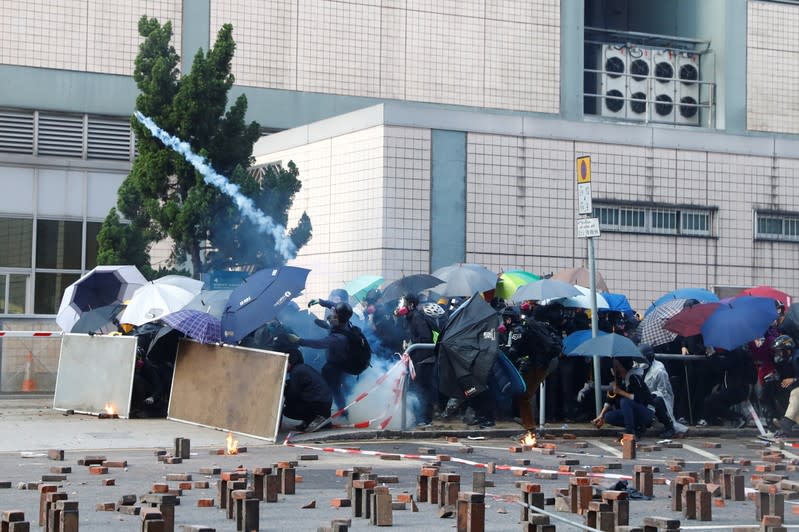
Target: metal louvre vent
{"type": "Point", "coordinates": [108, 139]}
{"type": "Point", "coordinates": [61, 136]}
{"type": "Point", "coordinates": [16, 132]}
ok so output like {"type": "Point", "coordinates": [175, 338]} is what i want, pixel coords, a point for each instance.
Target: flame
{"type": "Point", "coordinates": [232, 445]}
{"type": "Point", "coordinates": [529, 440]}
{"type": "Point", "coordinates": [110, 409]}
{"type": "Point", "coordinates": [621, 441]}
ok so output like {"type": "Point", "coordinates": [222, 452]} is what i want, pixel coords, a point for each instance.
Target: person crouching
{"type": "Point", "coordinates": [628, 401]}
{"type": "Point", "coordinates": [307, 395]}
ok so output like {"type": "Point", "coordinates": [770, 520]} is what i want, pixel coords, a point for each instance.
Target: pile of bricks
{"type": "Point", "coordinates": [14, 521]}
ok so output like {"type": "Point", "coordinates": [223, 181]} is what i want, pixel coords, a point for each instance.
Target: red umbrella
{"type": "Point", "coordinates": [768, 291]}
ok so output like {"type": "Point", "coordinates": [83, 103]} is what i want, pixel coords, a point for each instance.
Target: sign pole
{"type": "Point", "coordinates": [594, 325]}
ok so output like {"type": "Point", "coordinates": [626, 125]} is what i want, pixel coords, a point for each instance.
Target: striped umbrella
{"type": "Point", "coordinates": [652, 330]}
{"type": "Point", "coordinates": [203, 327]}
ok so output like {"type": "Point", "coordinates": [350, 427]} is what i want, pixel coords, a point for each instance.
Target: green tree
{"type": "Point", "coordinates": [163, 196]}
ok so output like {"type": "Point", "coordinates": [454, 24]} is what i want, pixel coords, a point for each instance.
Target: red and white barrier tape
{"type": "Point", "coordinates": [480, 465]}
{"type": "Point", "coordinates": [29, 334]}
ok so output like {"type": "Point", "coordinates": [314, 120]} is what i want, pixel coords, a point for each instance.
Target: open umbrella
{"type": "Point", "coordinates": [468, 348]}
{"type": "Point", "coordinates": [618, 303]}
{"type": "Point", "coordinates": [511, 280]}
{"type": "Point", "coordinates": [700, 294]}
{"type": "Point", "coordinates": [104, 285]}
{"type": "Point", "coordinates": [210, 301]}
{"type": "Point", "coordinates": [652, 327]}
{"type": "Point", "coordinates": [581, 277]}
{"type": "Point", "coordinates": [583, 300]}
{"type": "Point", "coordinates": [410, 284]}
{"type": "Point", "coordinates": [545, 289]}
{"type": "Point", "coordinates": [790, 324]}
{"type": "Point", "coordinates": [360, 286]}
{"type": "Point", "coordinates": [767, 291]}
{"type": "Point", "coordinates": [609, 345]}
{"type": "Point", "coordinates": [259, 299]}
{"type": "Point", "coordinates": [99, 319]}
{"type": "Point", "coordinates": [726, 324]}
{"type": "Point", "coordinates": [463, 279]}
{"type": "Point", "coordinates": [201, 326]}
{"type": "Point", "coordinates": [574, 339]}
{"type": "Point", "coordinates": [162, 296]}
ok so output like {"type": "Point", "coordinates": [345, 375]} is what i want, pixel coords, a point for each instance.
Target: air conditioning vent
{"type": "Point", "coordinates": [16, 132]}
{"type": "Point", "coordinates": [108, 139]}
{"type": "Point", "coordinates": [614, 67]}
{"type": "Point", "coordinates": [639, 69]}
{"type": "Point", "coordinates": [60, 136]}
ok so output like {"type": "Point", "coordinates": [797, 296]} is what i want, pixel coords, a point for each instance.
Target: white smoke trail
{"type": "Point", "coordinates": [263, 223]}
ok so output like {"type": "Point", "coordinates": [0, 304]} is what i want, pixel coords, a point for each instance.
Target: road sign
{"type": "Point", "coordinates": [584, 198]}
{"type": "Point", "coordinates": [584, 169]}
{"type": "Point", "coordinates": [587, 227]}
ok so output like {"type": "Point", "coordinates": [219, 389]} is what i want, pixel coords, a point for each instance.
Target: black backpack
{"type": "Point", "coordinates": [543, 340]}
{"type": "Point", "coordinates": [359, 353]}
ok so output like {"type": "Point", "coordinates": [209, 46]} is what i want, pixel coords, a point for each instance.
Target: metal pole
{"type": "Point", "coordinates": [542, 399]}
{"type": "Point", "coordinates": [594, 324]}
{"type": "Point", "coordinates": [406, 382]}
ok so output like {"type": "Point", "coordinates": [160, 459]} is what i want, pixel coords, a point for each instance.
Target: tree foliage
{"type": "Point", "coordinates": [163, 196]}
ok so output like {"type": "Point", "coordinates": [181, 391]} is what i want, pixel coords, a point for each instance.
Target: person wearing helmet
{"type": "Point", "coordinates": [335, 343]}
{"type": "Point", "coordinates": [418, 330]}
{"type": "Point", "coordinates": [786, 359]}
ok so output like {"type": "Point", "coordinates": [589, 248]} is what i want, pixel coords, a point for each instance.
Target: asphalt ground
{"type": "Point", "coordinates": [29, 428]}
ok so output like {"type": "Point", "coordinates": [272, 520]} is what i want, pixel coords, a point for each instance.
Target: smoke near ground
{"type": "Point", "coordinates": [264, 223]}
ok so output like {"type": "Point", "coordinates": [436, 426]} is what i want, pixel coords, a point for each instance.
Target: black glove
{"type": "Point", "coordinates": [523, 364]}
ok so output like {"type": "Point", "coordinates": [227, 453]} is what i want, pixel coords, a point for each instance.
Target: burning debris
{"type": "Point", "coordinates": [109, 412]}
{"type": "Point", "coordinates": [232, 445]}
{"type": "Point", "coordinates": [529, 440]}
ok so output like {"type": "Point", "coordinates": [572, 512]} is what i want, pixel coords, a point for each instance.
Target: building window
{"type": "Point", "coordinates": [775, 226]}
{"type": "Point", "coordinates": [655, 220]}
{"type": "Point", "coordinates": [49, 289]}
{"type": "Point", "coordinates": [13, 290]}
{"type": "Point", "coordinates": [58, 244]}
{"type": "Point", "coordinates": [16, 241]}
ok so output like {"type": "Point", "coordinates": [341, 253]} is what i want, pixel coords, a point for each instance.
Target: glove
{"type": "Point", "coordinates": [293, 338]}
{"type": "Point", "coordinates": [583, 393]}
{"type": "Point", "coordinates": [149, 401]}
{"type": "Point", "coordinates": [523, 364]}
{"type": "Point", "coordinates": [313, 302]}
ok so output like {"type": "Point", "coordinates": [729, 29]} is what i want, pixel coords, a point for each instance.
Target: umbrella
{"type": "Point", "coordinates": [159, 297]}
{"type": "Point", "coordinates": [609, 345]}
{"type": "Point", "coordinates": [511, 280]}
{"type": "Point", "coordinates": [98, 318]}
{"type": "Point", "coordinates": [700, 294]}
{"type": "Point", "coordinates": [577, 337]}
{"type": "Point", "coordinates": [410, 284]}
{"type": "Point", "coordinates": [545, 289]}
{"type": "Point", "coordinates": [652, 327]}
{"type": "Point", "coordinates": [583, 300]}
{"type": "Point", "coordinates": [201, 326]}
{"type": "Point", "coordinates": [618, 303]}
{"type": "Point", "coordinates": [104, 285]}
{"type": "Point", "coordinates": [582, 277]}
{"type": "Point", "coordinates": [360, 286]}
{"type": "Point", "coordinates": [462, 279]}
{"type": "Point", "coordinates": [767, 291]}
{"type": "Point", "coordinates": [790, 324]}
{"type": "Point", "coordinates": [212, 302]}
{"type": "Point", "coordinates": [726, 324]}
{"type": "Point", "coordinates": [259, 298]}
{"type": "Point", "coordinates": [468, 348]}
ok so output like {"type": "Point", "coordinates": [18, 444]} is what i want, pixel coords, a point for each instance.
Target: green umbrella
{"type": "Point", "coordinates": [360, 286]}
{"type": "Point", "coordinates": [511, 280]}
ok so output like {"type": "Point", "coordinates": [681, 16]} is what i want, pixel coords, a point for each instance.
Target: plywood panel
{"type": "Point", "coordinates": [230, 388]}
{"type": "Point", "coordinates": [94, 371]}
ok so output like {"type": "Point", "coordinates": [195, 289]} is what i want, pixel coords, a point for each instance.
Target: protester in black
{"type": "Point", "coordinates": [628, 401]}
{"type": "Point", "coordinates": [307, 396]}
{"type": "Point", "coordinates": [420, 331]}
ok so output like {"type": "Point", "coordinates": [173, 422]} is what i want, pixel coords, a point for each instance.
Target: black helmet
{"type": "Point", "coordinates": [647, 351]}
{"type": "Point", "coordinates": [511, 312]}
{"type": "Point", "coordinates": [411, 299]}
{"type": "Point", "coordinates": [343, 312]}
{"type": "Point", "coordinates": [783, 343]}
{"type": "Point", "coordinates": [373, 295]}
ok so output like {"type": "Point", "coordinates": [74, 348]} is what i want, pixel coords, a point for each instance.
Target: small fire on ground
{"type": "Point", "coordinates": [232, 445]}
{"type": "Point", "coordinates": [110, 409]}
{"type": "Point", "coordinates": [529, 440]}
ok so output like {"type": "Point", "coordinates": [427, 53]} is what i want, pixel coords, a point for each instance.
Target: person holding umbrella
{"type": "Point", "coordinates": [628, 401]}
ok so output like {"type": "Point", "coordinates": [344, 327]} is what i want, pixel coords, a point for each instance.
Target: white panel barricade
{"type": "Point", "coordinates": [95, 372]}
{"type": "Point", "coordinates": [227, 387]}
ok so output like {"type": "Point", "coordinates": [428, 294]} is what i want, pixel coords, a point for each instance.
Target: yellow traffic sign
{"type": "Point", "coordinates": [584, 169]}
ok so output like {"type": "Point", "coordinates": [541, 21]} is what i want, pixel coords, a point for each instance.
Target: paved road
{"type": "Point", "coordinates": [29, 429]}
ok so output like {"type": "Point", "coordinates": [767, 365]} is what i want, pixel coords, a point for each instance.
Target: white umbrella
{"type": "Point", "coordinates": [581, 301]}
{"type": "Point", "coordinates": [162, 296]}
{"type": "Point", "coordinates": [102, 286]}
{"type": "Point", "coordinates": [544, 289]}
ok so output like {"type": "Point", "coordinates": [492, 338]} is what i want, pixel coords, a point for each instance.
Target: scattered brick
{"type": "Point", "coordinates": [310, 506]}
{"type": "Point", "coordinates": [53, 478]}
{"type": "Point", "coordinates": [109, 482]}
{"type": "Point", "coordinates": [98, 470]}
{"type": "Point", "coordinates": [341, 503]}
{"type": "Point", "coordinates": [210, 470]}
{"type": "Point", "coordinates": [201, 484]}
{"type": "Point", "coordinates": [173, 477]}
{"type": "Point", "coordinates": [115, 463]}
{"type": "Point", "coordinates": [55, 454]}
{"type": "Point", "coordinates": [106, 507]}
{"type": "Point", "coordinates": [185, 486]}
{"type": "Point", "coordinates": [61, 470]}
{"type": "Point", "coordinates": [205, 502]}
{"type": "Point", "coordinates": [129, 510]}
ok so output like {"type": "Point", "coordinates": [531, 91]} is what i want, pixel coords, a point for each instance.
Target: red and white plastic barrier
{"type": "Point", "coordinates": [30, 334]}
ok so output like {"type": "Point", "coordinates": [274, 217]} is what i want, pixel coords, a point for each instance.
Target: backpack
{"type": "Point", "coordinates": [435, 316]}
{"type": "Point", "coordinates": [359, 353]}
{"type": "Point", "coordinates": [544, 341]}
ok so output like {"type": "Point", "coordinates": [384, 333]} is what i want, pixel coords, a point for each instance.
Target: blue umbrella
{"type": "Point", "coordinates": [618, 303]}
{"type": "Point", "coordinates": [577, 337]}
{"type": "Point", "coordinates": [700, 294]}
{"type": "Point", "coordinates": [259, 298]}
{"type": "Point", "coordinates": [203, 327]}
{"type": "Point", "coordinates": [609, 345]}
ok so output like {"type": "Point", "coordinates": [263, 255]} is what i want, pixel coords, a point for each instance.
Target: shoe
{"type": "Point", "coordinates": [701, 423]}
{"type": "Point", "coordinates": [682, 420]}
{"type": "Point", "coordinates": [668, 433]}
{"type": "Point", "coordinates": [487, 423]}
{"type": "Point", "coordinates": [317, 423]}
{"type": "Point", "coordinates": [423, 424]}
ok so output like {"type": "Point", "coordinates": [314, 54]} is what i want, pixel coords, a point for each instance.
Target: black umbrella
{"type": "Point", "coordinates": [411, 284]}
{"type": "Point", "coordinates": [98, 318]}
{"type": "Point", "coordinates": [259, 298]}
{"type": "Point", "coordinates": [467, 349]}
{"type": "Point", "coordinates": [790, 324]}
